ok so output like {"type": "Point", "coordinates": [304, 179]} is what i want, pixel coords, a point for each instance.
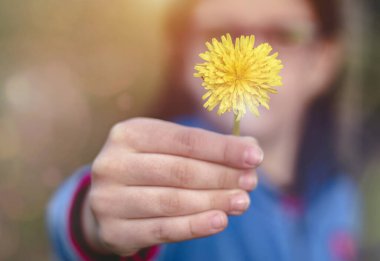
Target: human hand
{"type": "Point", "coordinates": [156, 182]}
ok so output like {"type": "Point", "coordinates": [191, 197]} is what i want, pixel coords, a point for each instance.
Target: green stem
{"type": "Point", "coordinates": [236, 129]}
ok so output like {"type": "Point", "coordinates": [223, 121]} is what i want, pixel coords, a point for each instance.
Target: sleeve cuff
{"type": "Point", "coordinates": [64, 223]}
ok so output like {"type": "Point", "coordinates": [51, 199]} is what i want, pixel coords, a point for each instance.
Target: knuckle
{"type": "Point", "coordinates": [101, 164]}
{"type": "Point", "coordinates": [161, 233]}
{"type": "Point", "coordinates": [170, 204]}
{"type": "Point", "coordinates": [126, 131]}
{"type": "Point", "coordinates": [106, 166]}
{"type": "Point", "coordinates": [181, 172]}
{"type": "Point", "coordinates": [187, 140]}
{"type": "Point", "coordinates": [97, 201]}
{"type": "Point", "coordinates": [224, 180]}
{"type": "Point", "coordinates": [110, 163]}
{"type": "Point", "coordinates": [191, 230]}
{"type": "Point", "coordinates": [113, 238]}
{"type": "Point", "coordinates": [212, 201]}
{"type": "Point", "coordinates": [118, 131]}
{"type": "Point", "coordinates": [226, 151]}
{"type": "Point", "coordinates": [107, 236]}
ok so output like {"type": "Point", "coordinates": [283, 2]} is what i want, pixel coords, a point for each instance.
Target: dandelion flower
{"type": "Point", "coordinates": [237, 76]}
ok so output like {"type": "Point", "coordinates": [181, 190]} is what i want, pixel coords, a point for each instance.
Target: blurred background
{"type": "Point", "coordinates": [71, 69]}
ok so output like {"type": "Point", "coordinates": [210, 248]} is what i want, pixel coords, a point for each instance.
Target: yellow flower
{"type": "Point", "coordinates": [238, 76]}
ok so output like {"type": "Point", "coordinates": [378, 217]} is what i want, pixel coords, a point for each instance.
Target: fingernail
{"type": "Point", "coordinates": [253, 156]}
{"type": "Point", "coordinates": [218, 221]}
{"type": "Point", "coordinates": [239, 203]}
{"type": "Point", "coordinates": [247, 181]}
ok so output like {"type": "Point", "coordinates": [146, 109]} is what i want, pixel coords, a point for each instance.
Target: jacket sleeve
{"type": "Point", "coordinates": [64, 226]}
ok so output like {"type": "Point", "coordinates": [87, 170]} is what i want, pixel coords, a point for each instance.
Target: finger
{"type": "Point", "coordinates": [172, 171]}
{"type": "Point", "coordinates": [155, 136]}
{"type": "Point", "coordinates": [147, 202]}
{"type": "Point", "coordinates": [140, 233]}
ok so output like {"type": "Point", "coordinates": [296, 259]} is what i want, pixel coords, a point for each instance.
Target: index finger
{"type": "Point", "coordinates": [156, 136]}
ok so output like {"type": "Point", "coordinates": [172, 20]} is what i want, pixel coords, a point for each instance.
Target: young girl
{"type": "Point", "coordinates": [155, 185]}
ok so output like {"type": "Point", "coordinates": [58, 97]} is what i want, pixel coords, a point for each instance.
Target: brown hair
{"type": "Point", "coordinates": [330, 16]}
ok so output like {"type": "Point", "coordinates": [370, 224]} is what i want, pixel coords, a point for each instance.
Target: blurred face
{"type": "Point", "coordinates": [291, 28]}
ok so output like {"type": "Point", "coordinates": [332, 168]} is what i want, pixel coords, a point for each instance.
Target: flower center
{"type": "Point", "coordinates": [239, 73]}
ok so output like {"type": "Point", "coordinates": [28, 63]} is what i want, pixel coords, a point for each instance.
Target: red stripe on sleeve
{"type": "Point", "coordinates": [147, 254]}
{"type": "Point", "coordinates": [83, 184]}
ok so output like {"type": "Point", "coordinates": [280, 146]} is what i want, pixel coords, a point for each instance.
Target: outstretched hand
{"type": "Point", "coordinates": [156, 182]}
